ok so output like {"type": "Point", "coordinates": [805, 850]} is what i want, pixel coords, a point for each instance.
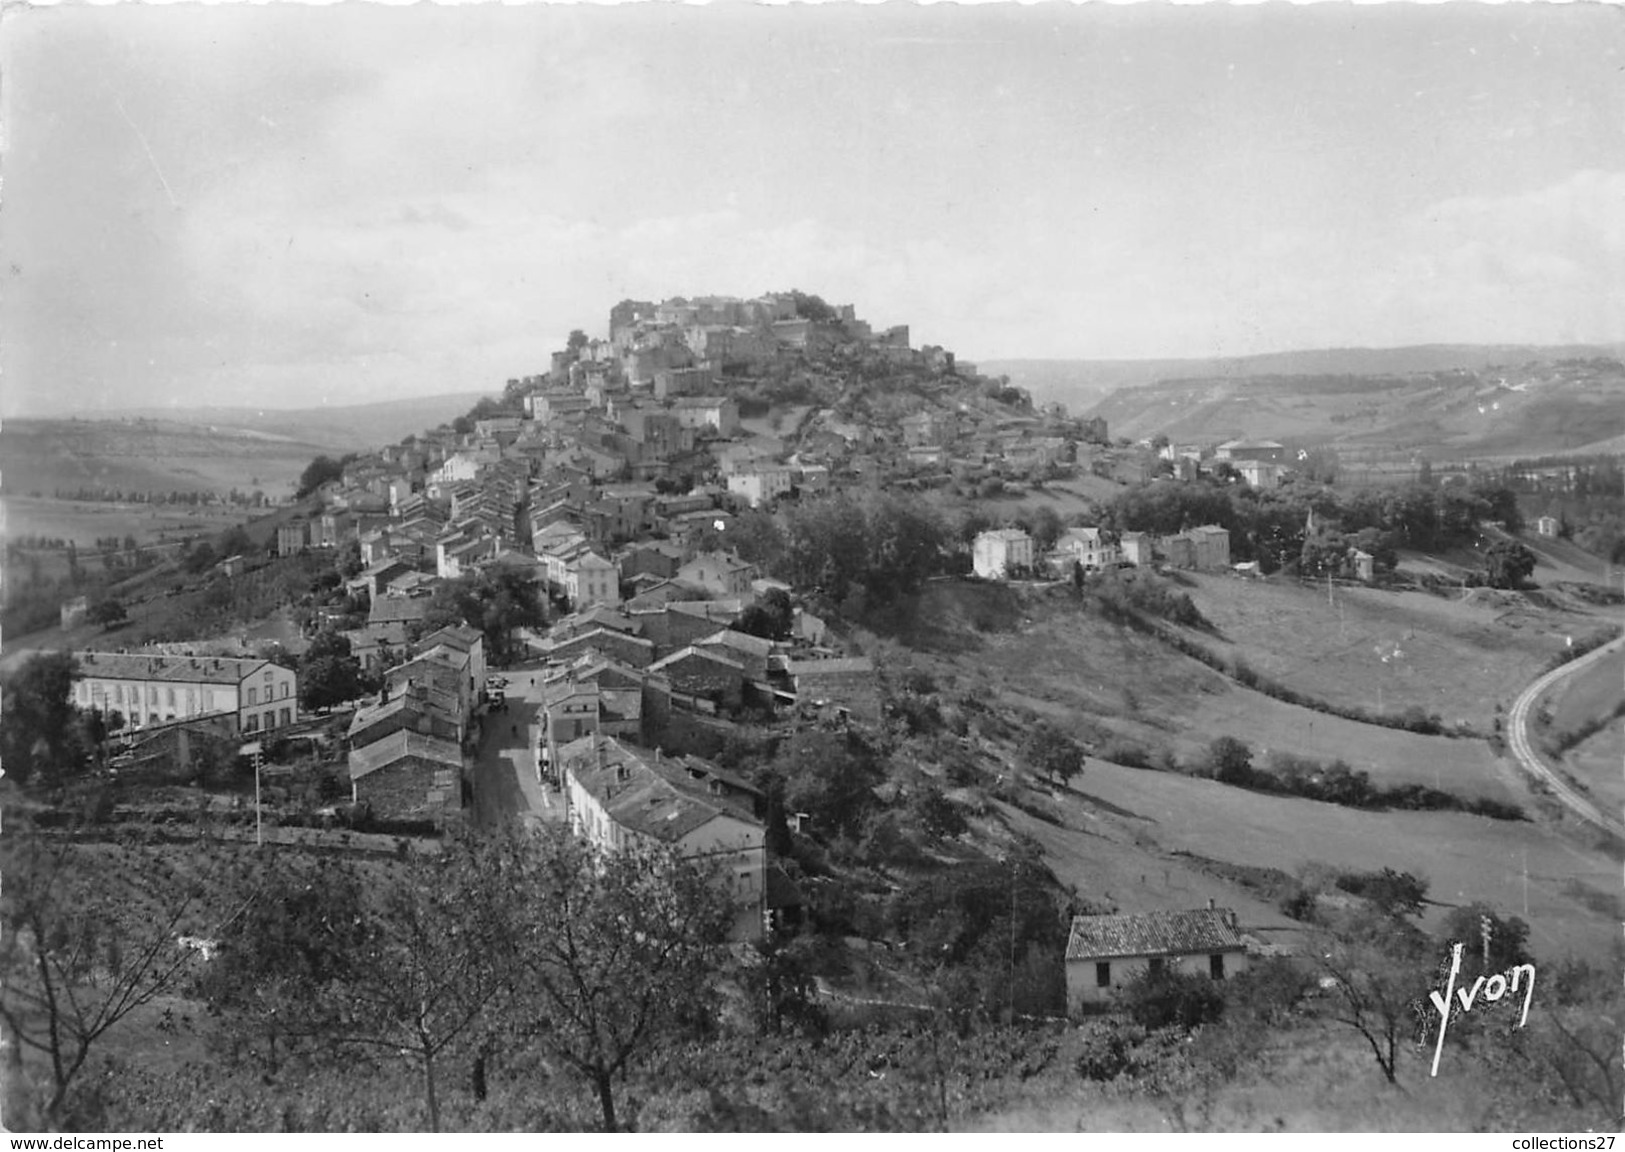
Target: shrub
{"type": "Point", "coordinates": [1172, 1000]}
{"type": "Point", "coordinates": [1126, 753]}
{"type": "Point", "coordinates": [1109, 1053]}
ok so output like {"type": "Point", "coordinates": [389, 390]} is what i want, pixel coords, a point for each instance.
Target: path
{"type": "Point", "coordinates": [1518, 741]}
{"type": "Point", "coordinates": [505, 783]}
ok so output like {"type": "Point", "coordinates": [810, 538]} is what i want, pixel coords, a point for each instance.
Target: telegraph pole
{"type": "Point", "coordinates": [253, 749]}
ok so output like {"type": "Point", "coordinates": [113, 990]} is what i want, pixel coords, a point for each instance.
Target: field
{"type": "Point", "coordinates": [1081, 671]}
{"type": "Point", "coordinates": [86, 521]}
{"type": "Point", "coordinates": [42, 456]}
{"type": "Point", "coordinates": [1384, 651]}
{"type": "Point", "coordinates": [1573, 906]}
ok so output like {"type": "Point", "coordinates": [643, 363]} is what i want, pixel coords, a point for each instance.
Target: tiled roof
{"type": "Point", "coordinates": [654, 799]}
{"type": "Point", "coordinates": [180, 669]}
{"type": "Point", "coordinates": [1153, 934]}
{"type": "Point", "coordinates": [398, 745]}
{"type": "Point", "coordinates": [387, 608]}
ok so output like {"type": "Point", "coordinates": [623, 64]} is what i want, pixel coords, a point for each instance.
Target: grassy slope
{"type": "Point", "coordinates": [1068, 664]}
{"type": "Point", "coordinates": [1121, 824]}
{"type": "Point", "coordinates": [1594, 764]}
{"type": "Point", "coordinates": [1464, 857]}
{"type": "Point", "coordinates": [1457, 658]}
{"type": "Point", "coordinates": [1545, 409]}
{"type": "Point", "coordinates": [42, 455]}
{"type": "Point", "coordinates": [85, 521]}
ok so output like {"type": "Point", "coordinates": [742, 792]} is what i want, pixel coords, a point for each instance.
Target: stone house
{"type": "Point", "coordinates": [408, 776]}
{"type": "Point", "coordinates": [704, 673]}
{"type": "Point", "coordinates": [846, 685]}
{"type": "Point", "coordinates": [718, 573]}
{"type": "Point", "coordinates": [1104, 953]}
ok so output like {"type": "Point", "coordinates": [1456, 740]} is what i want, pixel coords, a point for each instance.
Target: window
{"type": "Point", "coordinates": [286, 718]}
{"type": "Point", "coordinates": [270, 719]}
{"type": "Point", "coordinates": [169, 697]}
{"type": "Point", "coordinates": [1103, 975]}
{"type": "Point", "coordinates": [745, 882]}
{"type": "Point", "coordinates": [251, 723]}
{"type": "Point", "coordinates": [285, 688]}
{"type": "Point", "coordinates": [253, 695]}
{"type": "Point", "coordinates": [1215, 966]}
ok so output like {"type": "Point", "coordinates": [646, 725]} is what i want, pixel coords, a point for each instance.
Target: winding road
{"type": "Point", "coordinates": [1529, 759]}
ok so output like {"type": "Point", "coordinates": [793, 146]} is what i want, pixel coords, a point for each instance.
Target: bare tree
{"type": "Point", "coordinates": [607, 952]}
{"type": "Point", "coordinates": [1378, 974]}
{"type": "Point", "coordinates": [90, 935]}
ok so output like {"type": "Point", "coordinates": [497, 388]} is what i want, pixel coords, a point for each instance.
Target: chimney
{"type": "Point", "coordinates": [1210, 903]}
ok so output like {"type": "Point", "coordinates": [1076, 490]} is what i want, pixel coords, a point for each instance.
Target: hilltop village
{"type": "Point", "coordinates": [752, 587]}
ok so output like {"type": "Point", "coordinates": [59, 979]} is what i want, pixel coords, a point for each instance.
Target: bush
{"type": "Point", "coordinates": [1126, 753]}
{"type": "Point", "coordinates": [1172, 1000]}
{"type": "Point", "coordinates": [1108, 1053]}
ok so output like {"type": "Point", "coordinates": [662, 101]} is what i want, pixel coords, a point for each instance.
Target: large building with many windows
{"type": "Point", "coordinates": [148, 690]}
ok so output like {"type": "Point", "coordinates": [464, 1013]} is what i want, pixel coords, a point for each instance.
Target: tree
{"type": "Point", "coordinates": [1230, 761]}
{"type": "Point", "coordinates": [427, 968]}
{"type": "Point", "coordinates": [318, 472]}
{"type": "Point", "coordinates": [497, 603]}
{"type": "Point", "coordinates": [1049, 750]}
{"type": "Point", "coordinates": [89, 937]}
{"type": "Point", "coordinates": [828, 775]}
{"type": "Point", "coordinates": [328, 674]}
{"type": "Point", "coordinates": [1378, 967]}
{"type": "Point", "coordinates": [107, 613]}
{"type": "Point", "coordinates": [1508, 939]}
{"type": "Point", "coordinates": [606, 953]}
{"type": "Point", "coordinates": [235, 541]}
{"type": "Point", "coordinates": [770, 618]}
{"type": "Point", "coordinates": [1508, 564]}
{"type": "Point", "coordinates": [38, 736]}
{"type": "Point", "coordinates": [1044, 523]}
{"type": "Point", "coordinates": [576, 342]}
{"type": "Point", "coordinates": [200, 559]}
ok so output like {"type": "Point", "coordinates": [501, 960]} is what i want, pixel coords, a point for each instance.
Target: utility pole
{"type": "Point", "coordinates": [1012, 941]}
{"type": "Point", "coordinates": [253, 748]}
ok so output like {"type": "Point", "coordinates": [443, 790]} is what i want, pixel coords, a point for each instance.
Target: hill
{"type": "Point", "coordinates": [1524, 410]}
{"type": "Point", "coordinates": [345, 427]}
{"type": "Point", "coordinates": [1082, 383]}
{"type": "Point", "coordinates": [149, 455]}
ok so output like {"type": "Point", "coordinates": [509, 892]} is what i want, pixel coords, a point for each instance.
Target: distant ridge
{"type": "Point", "coordinates": [345, 427]}
{"type": "Point", "coordinates": [1082, 383]}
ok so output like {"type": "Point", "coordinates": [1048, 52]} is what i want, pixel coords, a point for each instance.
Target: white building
{"type": "Point", "coordinates": [761, 485]}
{"type": "Point", "coordinates": [150, 690]}
{"type": "Point", "coordinates": [997, 553]}
{"type": "Point", "coordinates": [622, 799]}
{"type": "Point", "coordinates": [1089, 547]}
{"type": "Point", "coordinates": [590, 579]}
{"type": "Point", "coordinates": [1259, 473]}
{"type": "Point", "coordinates": [1104, 953]}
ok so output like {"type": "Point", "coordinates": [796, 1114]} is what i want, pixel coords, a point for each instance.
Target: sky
{"type": "Point", "coordinates": [286, 206]}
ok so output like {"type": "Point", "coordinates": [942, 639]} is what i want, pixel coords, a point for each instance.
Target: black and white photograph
{"type": "Point", "coordinates": [812, 567]}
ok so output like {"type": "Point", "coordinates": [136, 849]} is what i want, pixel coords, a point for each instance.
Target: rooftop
{"type": "Point", "coordinates": [398, 745]}
{"type": "Point", "coordinates": [180, 669]}
{"type": "Point", "coordinates": [1153, 934]}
